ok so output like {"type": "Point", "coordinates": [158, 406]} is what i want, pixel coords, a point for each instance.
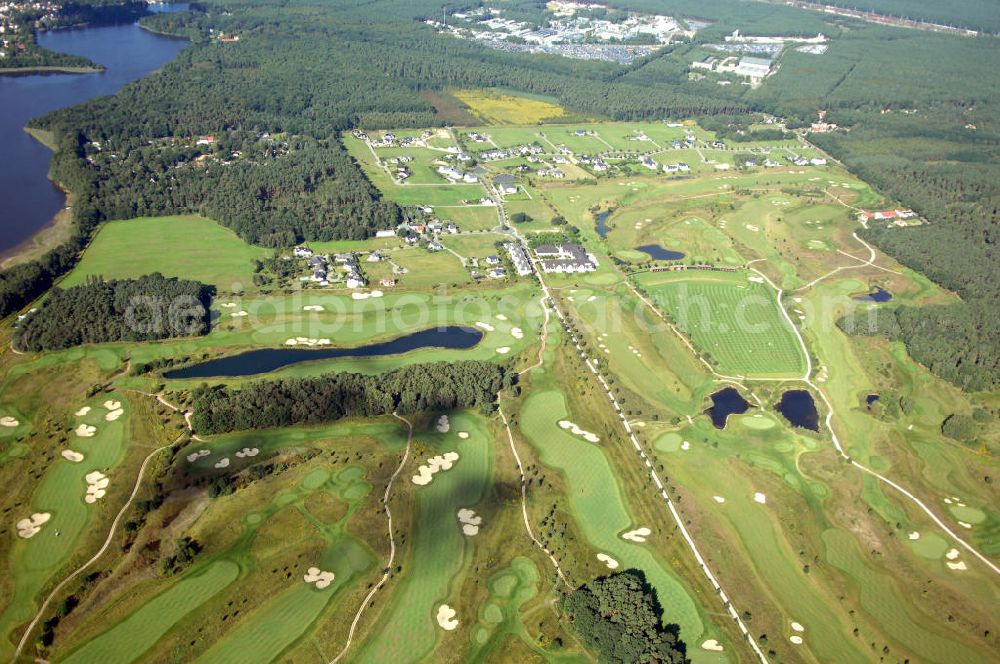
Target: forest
{"type": "Point", "coordinates": [619, 617]}
{"type": "Point", "coordinates": [144, 309]}
{"type": "Point", "coordinates": [418, 388]}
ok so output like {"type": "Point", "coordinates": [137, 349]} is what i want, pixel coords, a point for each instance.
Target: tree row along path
{"type": "Point", "coordinates": [623, 421]}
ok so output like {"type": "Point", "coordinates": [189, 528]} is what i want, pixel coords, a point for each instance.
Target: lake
{"type": "Point", "coordinates": [799, 408]}
{"type": "Point", "coordinates": [602, 223]}
{"type": "Point", "coordinates": [454, 337]}
{"type": "Point", "coordinates": [726, 402]}
{"type": "Point", "coordinates": [30, 200]}
{"type": "Point", "coordinates": [658, 253]}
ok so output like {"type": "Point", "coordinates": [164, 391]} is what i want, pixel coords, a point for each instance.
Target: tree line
{"type": "Point", "coordinates": [419, 388]}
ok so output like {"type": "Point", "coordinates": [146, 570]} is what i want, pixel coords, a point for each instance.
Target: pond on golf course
{"type": "Point", "coordinates": [799, 408]}
{"type": "Point", "coordinates": [264, 360]}
{"type": "Point", "coordinates": [726, 402]}
{"type": "Point", "coordinates": [658, 253]}
{"type": "Point", "coordinates": [878, 295]}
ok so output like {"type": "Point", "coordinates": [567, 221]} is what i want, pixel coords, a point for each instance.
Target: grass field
{"type": "Point", "coordinates": [735, 323]}
{"type": "Point", "coordinates": [189, 247]}
{"type": "Point", "coordinates": [499, 108]}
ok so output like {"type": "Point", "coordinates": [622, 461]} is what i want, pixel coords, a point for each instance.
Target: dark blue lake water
{"type": "Point", "coordinates": [253, 362]}
{"type": "Point", "coordinates": [602, 223]}
{"type": "Point", "coordinates": [798, 407]}
{"type": "Point", "coordinates": [878, 295]}
{"type": "Point", "coordinates": [726, 402]}
{"type": "Point", "coordinates": [658, 253]}
{"type": "Point", "coordinates": [128, 52]}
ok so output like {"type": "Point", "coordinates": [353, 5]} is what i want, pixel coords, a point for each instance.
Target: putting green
{"type": "Point", "coordinates": [967, 514]}
{"type": "Point", "coordinates": [758, 423]}
{"type": "Point", "coordinates": [668, 442]}
{"type": "Point", "coordinates": [129, 639]}
{"type": "Point", "coordinates": [930, 545]}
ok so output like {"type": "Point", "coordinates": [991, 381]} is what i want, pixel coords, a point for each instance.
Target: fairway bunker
{"type": "Point", "coordinates": [97, 485]}
{"type": "Point", "coordinates": [577, 431]}
{"type": "Point", "coordinates": [726, 402]}
{"type": "Point", "coordinates": [799, 408]}
{"type": "Point", "coordinates": [70, 455]}
{"type": "Point", "coordinates": [470, 521]}
{"type": "Point", "coordinates": [446, 617]}
{"type": "Point", "coordinates": [443, 424]}
{"type": "Point", "coordinates": [9, 422]}
{"type": "Point", "coordinates": [82, 412]}
{"type": "Point", "coordinates": [86, 431]}
{"type": "Point", "coordinates": [425, 473]}
{"type": "Point", "coordinates": [608, 561]}
{"type": "Point", "coordinates": [712, 645]}
{"type": "Point", "coordinates": [319, 578]}
{"type": "Point", "coordinates": [638, 535]}
{"type": "Point", "coordinates": [28, 528]}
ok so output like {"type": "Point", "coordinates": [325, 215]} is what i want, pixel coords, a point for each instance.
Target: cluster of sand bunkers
{"type": "Point", "coordinates": [470, 521]}
{"type": "Point", "coordinates": [97, 486]}
{"type": "Point", "coordinates": [953, 562]}
{"type": "Point", "coordinates": [365, 296]}
{"type": "Point", "coordinates": [446, 617]}
{"type": "Point", "coordinates": [436, 464]}
{"type": "Point", "coordinates": [638, 535]}
{"type": "Point", "coordinates": [194, 456]}
{"type": "Point", "coordinates": [235, 314]}
{"type": "Point", "coordinates": [577, 431]}
{"type": "Point", "coordinates": [795, 638]}
{"type": "Point", "coordinates": [319, 578]}
{"type": "Point", "coordinates": [28, 528]}
{"type": "Point", "coordinates": [635, 351]}
{"type": "Point", "coordinates": [306, 341]}
{"type": "Point", "coordinates": [603, 346]}
{"type": "Point", "coordinates": [247, 452]}
{"type": "Point", "coordinates": [114, 409]}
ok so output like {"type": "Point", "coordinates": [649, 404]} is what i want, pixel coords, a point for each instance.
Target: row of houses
{"type": "Point", "coordinates": [509, 153]}
{"type": "Point", "coordinates": [458, 175]}
{"type": "Point", "coordinates": [321, 266]}
{"type": "Point", "coordinates": [565, 258]}
{"type": "Point", "coordinates": [519, 258]}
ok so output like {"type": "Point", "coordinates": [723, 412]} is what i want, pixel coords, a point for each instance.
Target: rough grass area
{"type": "Point", "coordinates": [499, 108]}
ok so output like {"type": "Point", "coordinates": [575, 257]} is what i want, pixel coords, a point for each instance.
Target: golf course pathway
{"type": "Point", "coordinates": [392, 541]}
{"type": "Point", "coordinates": [79, 570]}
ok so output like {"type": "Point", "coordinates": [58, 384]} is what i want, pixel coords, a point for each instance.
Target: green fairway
{"type": "Point", "coordinates": [129, 639]}
{"type": "Point", "coordinates": [189, 247]}
{"type": "Point", "coordinates": [408, 632]}
{"type": "Point", "coordinates": [734, 322]}
{"type": "Point", "coordinates": [599, 506]}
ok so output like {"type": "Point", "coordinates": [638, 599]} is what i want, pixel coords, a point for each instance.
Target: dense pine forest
{"type": "Point", "coordinates": [275, 100]}
{"type": "Point", "coordinates": [419, 388]}
{"type": "Point", "coordinates": [144, 309]}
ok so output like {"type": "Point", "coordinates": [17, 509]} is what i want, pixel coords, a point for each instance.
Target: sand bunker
{"type": "Point", "coordinates": [446, 617]}
{"type": "Point", "coordinates": [111, 404]}
{"type": "Point", "coordinates": [577, 431]}
{"type": "Point", "coordinates": [8, 422]}
{"type": "Point", "coordinates": [318, 577]}
{"type": "Point", "coordinates": [914, 535]}
{"type": "Point", "coordinates": [222, 463]}
{"type": "Point", "coordinates": [952, 554]}
{"type": "Point", "coordinates": [194, 456]}
{"type": "Point", "coordinates": [28, 528]}
{"type": "Point", "coordinates": [719, 499]}
{"type": "Point", "coordinates": [228, 305]}
{"type": "Point", "coordinates": [306, 341]}
{"type": "Point", "coordinates": [503, 350]}
{"type": "Point", "coordinates": [239, 314]}
{"type": "Point", "coordinates": [443, 424]}
{"type": "Point", "coordinates": [86, 431]}
{"type": "Point", "coordinates": [97, 484]}
{"type": "Point", "coordinates": [798, 627]}
{"type": "Point", "coordinates": [463, 434]}
{"type": "Point", "coordinates": [501, 317]}
{"type": "Point", "coordinates": [484, 326]}
{"type": "Point", "coordinates": [608, 560]}
{"type": "Point", "coordinates": [517, 333]}
{"type": "Point", "coordinates": [712, 645]}
{"type": "Point", "coordinates": [685, 446]}
{"type": "Point", "coordinates": [960, 565]}
{"type": "Point", "coordinates": [756, 280]}
{"type": "Point", "coordinates": [637, 535]}
{"type": "Point", "coordinates": [470, 521]}
{"type": "Point", "coordinates": [360, 296]}
{"type": "Point", "coordinates": [248, 452]}
{"type": "Point", "coordinates": [82, 412]}
{"type": "Point", "coordinates": [760, 498]}
{"type": "Point", "coordinates": [797, 640]}
{"type": "Point", "coordinates": [70, 455]}
{"type": "Point", "coordinates": [313, 307]}
{"type": "Point", "coordinates": [114, 414]}
{"type": "Point", "coordinates": [425, 473]}
{"type": "Point", "coordinates": [964, 524]}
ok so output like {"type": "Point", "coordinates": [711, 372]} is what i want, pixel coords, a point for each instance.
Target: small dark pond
{"type": "Point", "coordinates": [271, 359]}
{"type": "Point", "coordinates": [798, 407]}
{"type": "Point", "coordinates": [602, 223]}
{"type": "Point", "coordinates": [658, 253]}
{"type": "Point", "coordinates": [871, 398]}
{"type": "Point", "coordinates": [726, 402]}
{"type": "Point", "coordinates": [879, 295]}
